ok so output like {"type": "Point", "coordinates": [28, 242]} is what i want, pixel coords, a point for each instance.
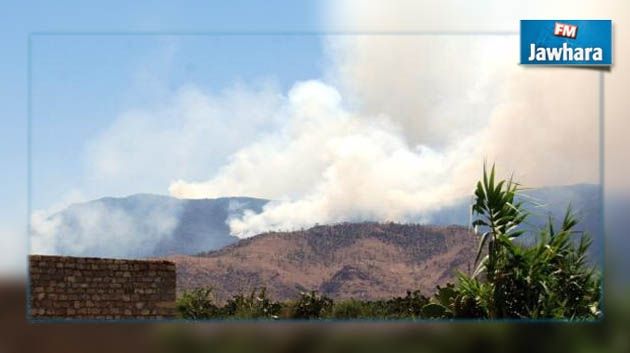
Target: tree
{"type": "Point", "coordinates": [549, 279]}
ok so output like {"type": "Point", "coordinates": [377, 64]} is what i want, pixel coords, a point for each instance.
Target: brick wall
{"type": "Point", "coordinates": [95, 288]}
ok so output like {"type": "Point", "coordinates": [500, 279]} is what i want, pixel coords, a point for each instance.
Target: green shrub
{"type": "Point", "coordinates": [550, 279]}
{"type": "Point", "coordinates": [256, 305]}
{"type": "Point", "coordinates": [409, 306]}
{"type": "Point", "coordinates": [350, 309]}
{"type": "Point", "coordinates": [312, 306]}
{"type": "Point", "coordinates": [472, 298]}
{"type": "Point", "coordinates": [197, 304]}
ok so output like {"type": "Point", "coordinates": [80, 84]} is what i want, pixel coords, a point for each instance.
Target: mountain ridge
{"type": "Point", "coordinates": [157, 225]}
{"type": "Point", "coordinates": [366, 260]}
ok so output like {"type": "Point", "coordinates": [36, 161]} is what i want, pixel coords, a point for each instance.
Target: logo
{"type": "Point", "coordinates": [566, 42]}
{"type": "Point", "coordinates": [565, 30]}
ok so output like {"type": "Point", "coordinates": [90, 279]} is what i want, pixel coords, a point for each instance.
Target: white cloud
{"type": "Point", "coordinates": [99, 229]}
{"type": "Point", "coordinates": [13, 245]}
{"type": "Point", "coordinates": [190, 134]}
{"type": "Point", "coordinates": [398, 125]}
{"type": "Point", "coordinates": [495, 15]}
{"type": "Point", "coordinates": [328, 165]}
{"type": "Point", "coordinates": [411, 139]}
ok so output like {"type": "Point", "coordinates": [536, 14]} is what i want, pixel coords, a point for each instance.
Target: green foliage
{"type": "Point", "coordinates": [197, 304]}
{"type": "Point", "coordinates": [353, 309]}
{"type": "Point", "coordinates": [436, 311]}
{"type": "Point", "coordinates": [256, 305]}
{"type": "Point", "coordinates": [466, 300]}
{"type": "Point", "coordinates": [473, 296]}
{"type": "Point", "coordinates": [549, 279]}
{"type": "Point", "coordinates": [497, 217]}
{"type": "Point", "coordinates": [441, 304]}
{"type": "Point", "coordinates": [409, 306]}
{"type": "Point", "coordinates": [312, 306]}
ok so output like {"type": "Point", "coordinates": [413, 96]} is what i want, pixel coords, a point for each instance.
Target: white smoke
{"type": "Point", "coordinates": [396, 126]}
{"type": "Point", "coordinates": [98, 229]}
{"type": "Point", "coordinates": [448, 88]}
{"type": "Point", "coordinates": [190, 134]}
{"type": "Point", "coordinates": [13, 257]}
{"type": "Point", "coordinates": [410, 140]}
{"type": "Point", "coordinates": [421, 115]}
{"type": "Point", "coordinates": [380, 16]}
{"type": "Point", "coordinates": [329, 165]}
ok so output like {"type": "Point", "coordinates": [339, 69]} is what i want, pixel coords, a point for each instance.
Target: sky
{"type": "Point", "coordinates": [79, 91]}
{"type": "Point", "coordinates": [20, 18]}
{"type": "Point", "coordinates": [109, 109]}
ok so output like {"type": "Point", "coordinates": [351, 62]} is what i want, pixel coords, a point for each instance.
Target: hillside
{"type": "Point", "coordinates": [146, 225]}
{"type": "Point", "coordinates": [143, 225]}
{"type": "Point", "coordinates": [584, 199]}
{"type": "Point", "coordinates": [360, 260]}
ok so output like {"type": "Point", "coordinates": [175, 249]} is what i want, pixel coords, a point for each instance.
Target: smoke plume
{"type": "Point", "coordinates": [101, 228]}
{"type": "Point", "coordinates": [397, 125]}
{"type": "Point", "coordinates": [403, 127]}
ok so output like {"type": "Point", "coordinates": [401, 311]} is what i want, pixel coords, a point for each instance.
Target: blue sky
{"type": "Point", "coordinates": [72, 63]}
{"type": "Point", "coordinates": [81, 83]}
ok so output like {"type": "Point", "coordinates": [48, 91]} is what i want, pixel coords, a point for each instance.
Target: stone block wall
{"type": "Point", "coordinates": [96, 288]}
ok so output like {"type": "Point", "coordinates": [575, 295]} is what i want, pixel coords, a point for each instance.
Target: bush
{"type": "Point", "coordinates": [256, 305]}
{"type": "Point", "coordinates": [351, 309]}
{"type": "Point", "coordinates": [197, 304]}
{"type": "Point", "coordinates": [550, 279]}
{"type": "Point", "coordinates": [312, 306]}
{"type": "Point", "coordinates": [409, 306]}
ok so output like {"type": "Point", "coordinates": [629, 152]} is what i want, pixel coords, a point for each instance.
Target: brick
{"type": "Point", "coordinates": [101, 288]}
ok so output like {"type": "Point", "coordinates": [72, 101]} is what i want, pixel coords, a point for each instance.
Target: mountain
{"type": "Point", "coordinates": [147, 225]}
{"type": "Point", "coordinates": [617, 244]}
{"type": "Point", "coordinates": [360, 260]}
{"type": "Point", "coordinates": [585, 201]}
{"type": "Point", "coordinates": [141, 225]}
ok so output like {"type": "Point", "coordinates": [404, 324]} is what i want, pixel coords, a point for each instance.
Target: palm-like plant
{"type": "Point", "coordinates": [549, 279]}
{"type": "Point", "coordinates": [497, 217]}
